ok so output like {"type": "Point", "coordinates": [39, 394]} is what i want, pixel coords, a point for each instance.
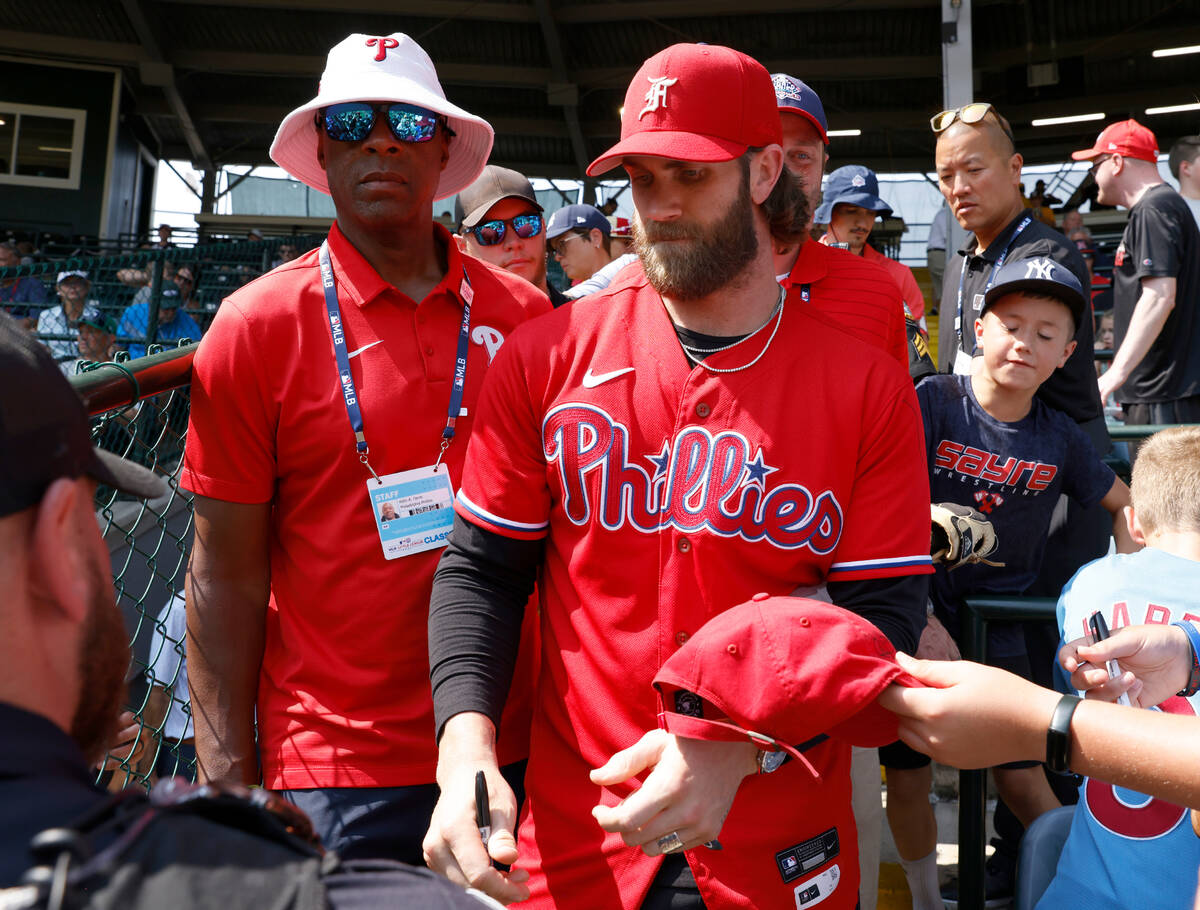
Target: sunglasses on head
{"type": "Point", "coordinates": [492, 232]}
{"type": "Point", "coordinates": [352, 121]}
{"type": "Point", "coordinates": [968, 113]}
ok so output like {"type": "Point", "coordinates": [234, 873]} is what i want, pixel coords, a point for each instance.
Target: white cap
{"type": "Point", "coordinates": [373, 68]}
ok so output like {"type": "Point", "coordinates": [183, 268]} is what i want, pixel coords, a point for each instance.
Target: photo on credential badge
{"type": "Point", "coordinates": [413, 510]}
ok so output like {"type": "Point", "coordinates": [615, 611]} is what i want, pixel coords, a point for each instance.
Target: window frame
{"type": "Point", "coordinates": [79, 118]}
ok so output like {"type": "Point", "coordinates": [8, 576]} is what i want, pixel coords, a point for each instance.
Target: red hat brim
{"type": "Point", "coordinates": [682, 146]}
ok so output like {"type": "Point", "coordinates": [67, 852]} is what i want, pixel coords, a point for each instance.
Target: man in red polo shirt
{"type": "Point", "coordinates": [652, 467]}
{"type": "Point", "coordinates": [331, 404]}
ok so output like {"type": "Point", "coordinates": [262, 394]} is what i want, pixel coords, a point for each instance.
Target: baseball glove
{"type": "Point", "coordinates": [960, 536]}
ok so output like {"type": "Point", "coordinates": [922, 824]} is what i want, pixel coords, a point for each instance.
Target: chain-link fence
{"type": "Point", "coordinates": [139, 410]}
{"type": "Point", "coordinates": [92, 307]}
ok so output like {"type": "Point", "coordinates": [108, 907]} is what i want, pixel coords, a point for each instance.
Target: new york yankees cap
{"type": "Point", "coordinates": [794, 97]}
{"type": "Point", "coordinates": [382, 68]}
{"type": "Point", "coordinates": [851, 184]}
{"type": "Point", "coordinates": [44, 431]}
{"type": "Point", "coordinates": [781, 671]}
{"type": "Point", "coordinates": [492, 185]}
{"type": "Point", "coordinates": [695, 102]}
{"type": "Point", "coordinates": [1041, 275]}
{"type": "Point", "coordinates": [1127, 138]}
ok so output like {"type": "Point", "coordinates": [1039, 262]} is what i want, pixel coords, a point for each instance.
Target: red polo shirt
{"type": "Point", "coordinates": [343, 696]}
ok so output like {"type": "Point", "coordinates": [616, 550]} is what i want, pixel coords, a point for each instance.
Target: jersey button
{"type": "Point", "coordinates": [703, 410]}
{"type": "Point", "coordinates": [684, 545]}
{"type": "Point", "coordinates": [681, 638]}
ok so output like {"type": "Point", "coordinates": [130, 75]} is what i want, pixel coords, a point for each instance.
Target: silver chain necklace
{"type": "Point", "coordinates": [776, 314]}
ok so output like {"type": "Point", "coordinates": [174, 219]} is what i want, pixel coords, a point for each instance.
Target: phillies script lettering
{"type": "Point", "coordinates": [988, 466]}
{"type": "Point", "coordinates": [699, 480]}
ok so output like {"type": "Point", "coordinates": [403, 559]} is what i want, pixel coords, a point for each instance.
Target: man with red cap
{"type": "Point", "coordinates": [1155, 373]}
{"type": "Point", "coordinates": [331, 402]}
{"type": "Point", "coordinates": [644, 456]}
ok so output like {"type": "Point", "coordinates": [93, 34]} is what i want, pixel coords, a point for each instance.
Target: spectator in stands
{"type": "Point", "coordinates": [173, 322]}
{"type": "Point", "coordinates": [65, 652]}
{"type": "Point", "coordinates": [21, 298]}
{"type": "Point", "coordinates": [164, 237]}
{"type": "Point", "coordinates": [1155, 373]}
{"type": "Point", "coordinates": [621, 236]}
{"type": "Point", "coordinates": [1104, 331]}
{"type": "Point", "coordinates": [1072, 220]}
{"type": "Point", "coordinates": [96, 342]}
{"type": "Point", "coordinates": [327, 643]}
{"type": "Point", "coordinates": [1184, 162]}
{"type": "Point", "coordinates": [500, 221]}
{"type": "Point", "coordinates": [579, 238]}
{"type": "Point", "coordinates": [285, 252]}
{"type": "Point", "coordinates": [73, 287]}
{"type": "Point", "coordinates": [850, 208]}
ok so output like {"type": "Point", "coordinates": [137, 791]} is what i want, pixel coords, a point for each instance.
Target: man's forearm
{"type": "Point", "coordinates": [1149, 316]}
{"type": "Point", "coordinates": [226, 631]}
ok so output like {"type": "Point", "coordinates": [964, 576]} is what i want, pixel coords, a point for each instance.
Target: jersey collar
{"type": "Point", "coordinates": [812, 264]}
{"type": "Point", "coordinates": [997, 246]}
{"type": "Point", "coordinates": [361, 284]}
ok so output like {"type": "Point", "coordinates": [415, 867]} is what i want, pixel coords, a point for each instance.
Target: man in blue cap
{"type": "Point", "coordinates": [850, 208]}
{"type": "Point", "coordinates": [579, 237]}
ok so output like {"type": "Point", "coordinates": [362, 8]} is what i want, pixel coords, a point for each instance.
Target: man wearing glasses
{"type": "Point", "coordinates": [580, 239]}
{"type": "Point", "coordinates": [1156, 281]}
{"type": "Point", "coordinates": [500, 221]}
{"type": "Point", "coordinates": [344, 380]}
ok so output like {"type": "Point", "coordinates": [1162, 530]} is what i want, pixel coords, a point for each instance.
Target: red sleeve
{"type": "Point", "coordinates": [504, 486]}
{"type": "Point", "coordinates": [230, 452]}
{"type": "Point", "coordinates": [886, 527]}
{"type": "Point", "coordinates": [912, 293]}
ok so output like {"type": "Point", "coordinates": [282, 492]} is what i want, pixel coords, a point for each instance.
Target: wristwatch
{"type": "Point", "coordinates": [770, 761]}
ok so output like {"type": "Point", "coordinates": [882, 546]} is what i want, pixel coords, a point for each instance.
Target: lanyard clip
{"type": "Point", "coordinates": [441, 452]}
{"type": "Point", "coordinates": [362, 457]}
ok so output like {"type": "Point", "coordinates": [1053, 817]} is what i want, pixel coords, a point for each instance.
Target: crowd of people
{"type": "Point", "coordinates": [577, 643]}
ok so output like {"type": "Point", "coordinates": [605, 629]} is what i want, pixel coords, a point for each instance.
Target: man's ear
{"type": "Point", "coordinates": [58, 556]}
{"type": "Point", "coordinates": [765, 169]}
{"type": "Point", "coordinates": [979, 334]}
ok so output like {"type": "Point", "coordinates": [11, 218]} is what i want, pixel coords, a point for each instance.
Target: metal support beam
{"type": "Point", "coordinates": [570, 99]}
{"type": "Point", "coordinates": [958, 88]}
{"type": "Point", "coordinates": [166, 78]}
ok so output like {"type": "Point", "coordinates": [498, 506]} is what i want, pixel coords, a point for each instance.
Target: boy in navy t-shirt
{"type": "Point", "coordinates": [995, 448]}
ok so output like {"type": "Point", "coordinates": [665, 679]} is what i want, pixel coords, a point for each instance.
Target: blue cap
{"type": "Point", "coordinates": [570, 217]}
{"type": "Point", "coordinates": [793, 96]}
{"type": "Point", "coordinates": [853, 185]}
{"type": "Point", "coordinates": [1041, 275]}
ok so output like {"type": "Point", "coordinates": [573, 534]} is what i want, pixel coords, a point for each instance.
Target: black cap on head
{"type": "Point", "coordinates": [1040, 275]}
{"type": "Point", "coordinates": [44, 431]}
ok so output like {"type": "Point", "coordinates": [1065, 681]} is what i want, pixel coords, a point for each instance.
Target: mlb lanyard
{"type": "Point", "coordinates": [962, 277]}
{"type": "Point", "coordinates": [346, 378]}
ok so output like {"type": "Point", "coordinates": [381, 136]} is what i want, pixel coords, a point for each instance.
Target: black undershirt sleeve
{"type": "Point", "coordinates": [896, 606]}
{"type": "Point", "coordinates": [480, 589]}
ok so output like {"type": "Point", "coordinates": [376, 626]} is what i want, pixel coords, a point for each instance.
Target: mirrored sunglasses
{"type": "Point", "coordinates": [352, 121]}
{"type": "Point", "coordinates": [492, 232]}
{"type": "Point", "coordinates": [968, 113]}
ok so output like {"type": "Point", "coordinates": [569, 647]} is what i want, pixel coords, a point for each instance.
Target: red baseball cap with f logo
{"type": "Point", "coordinates": [696, 102]}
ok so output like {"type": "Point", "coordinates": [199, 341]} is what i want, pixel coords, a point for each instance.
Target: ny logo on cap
{"type": "Point", "coordinates": [384, 44]}
{"type": "Point", "coordinates": [858, 180]}
{"type": "Point", "coordinates": [1041, 269]}
{"type": "Point", "coordinates": [656, 95]}
{"type": "Point", "coordinates": [785, 88]}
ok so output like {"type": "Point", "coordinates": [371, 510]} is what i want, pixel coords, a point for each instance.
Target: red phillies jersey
{"type": "Point", "coordinates": [668, 494]}
{"type": "Point", "coordinates": [343, 696]}
{"type": "Point", "coordinates": [856, 296]}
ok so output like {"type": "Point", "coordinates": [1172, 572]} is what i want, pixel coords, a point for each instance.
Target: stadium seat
{"type": "Point", "coordinates": [1040, 849]}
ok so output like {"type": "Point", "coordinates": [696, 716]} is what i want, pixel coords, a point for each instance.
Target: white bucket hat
{"type": "Point", "coordinates": [373, 68]}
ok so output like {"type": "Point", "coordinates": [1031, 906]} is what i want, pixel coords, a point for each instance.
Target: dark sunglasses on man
{"type": "Point", "coordinates": [492, 232]}
{"type": "Point", "coordinates": [968, 113]}
{"type": "Point", "coordinates": [352, 121]}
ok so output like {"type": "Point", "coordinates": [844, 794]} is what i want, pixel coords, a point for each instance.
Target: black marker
{"type": "Point", "coordinates": [1099, 629]}
{"type": "Point", "coordinates": [483, 812]}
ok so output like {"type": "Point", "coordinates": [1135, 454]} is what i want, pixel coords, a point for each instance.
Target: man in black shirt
{"type": "Point", "coordinates": [1156, 281]}
{"type": "Point", "coordinates": [979, 172]}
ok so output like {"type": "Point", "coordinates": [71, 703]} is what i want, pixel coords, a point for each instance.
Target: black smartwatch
{"type": "Point", "coordinates": [1058, 735]}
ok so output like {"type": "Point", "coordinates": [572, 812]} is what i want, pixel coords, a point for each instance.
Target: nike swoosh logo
{"type": "Point", "coordinates": [591, 380]}
{"type": "Point", "coordinates": [364, 348]}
